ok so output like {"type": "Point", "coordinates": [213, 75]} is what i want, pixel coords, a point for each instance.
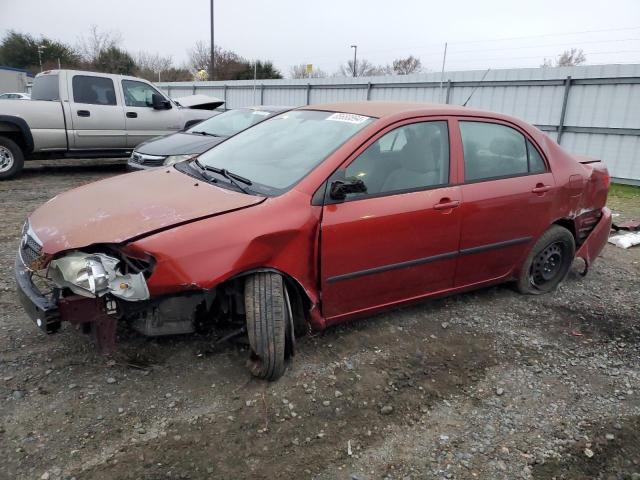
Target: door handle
{"type": "Point", "coordinates": [446, 204]}
{"type": "Point", "coordinates": [132, 115]}
{"type": "Point", "coordinates": [84, 113]}
{"type": "Point", "coordinates": [540, 188]}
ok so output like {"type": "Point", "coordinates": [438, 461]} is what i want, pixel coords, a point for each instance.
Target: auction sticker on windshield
{"type": "Point", "coordinates": [347, 117]}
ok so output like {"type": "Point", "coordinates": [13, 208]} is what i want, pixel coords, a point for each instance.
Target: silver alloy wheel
{"type": "Point", "coordinates": [6, 159]}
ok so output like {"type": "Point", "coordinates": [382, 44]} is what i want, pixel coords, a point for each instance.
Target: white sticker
{"type": "Point", "coordinates": [259, 112]}
{"type": "Point", "coordinates": [347, 117]}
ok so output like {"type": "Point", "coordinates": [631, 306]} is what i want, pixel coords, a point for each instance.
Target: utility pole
{"type": "Point", "coordinates": [40, 48]}
{"type": "Point", "coordinates": [355, 59]}
{"type": "Point", "coordinates": [213, 55]}
{"type": "Point", "coordinates": [444, 59]}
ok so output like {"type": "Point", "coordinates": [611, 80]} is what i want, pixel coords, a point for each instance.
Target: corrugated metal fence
{"type": "Point", "coordinates": [590, 110]}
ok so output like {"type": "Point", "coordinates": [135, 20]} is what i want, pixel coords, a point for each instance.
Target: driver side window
{"type": "Point", "coordinates": [411, 157]}
{"type": "Point", "coordinates": [138, 94]}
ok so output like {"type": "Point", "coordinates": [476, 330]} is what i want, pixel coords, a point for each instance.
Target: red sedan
{"type": "Point", "coordinates": [311, 218]}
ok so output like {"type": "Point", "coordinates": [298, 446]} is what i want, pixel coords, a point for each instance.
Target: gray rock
{"type": "Point", "coordinates": [111, 380]}
{"type": "Point", "coordinates": [386, 410]}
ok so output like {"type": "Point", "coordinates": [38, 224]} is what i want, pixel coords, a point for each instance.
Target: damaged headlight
{"type": "Point", "coordinates": [95, 275]}
{"type": "Point", "coordinates": [170, 160]}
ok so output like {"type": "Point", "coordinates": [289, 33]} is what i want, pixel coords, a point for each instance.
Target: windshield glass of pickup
{"type": "Point", "coordinates": [280, 151]}
{"type": "Point", "coordinates": [231, 122]}
{"type": "Point", "coordinates": [45, 87]}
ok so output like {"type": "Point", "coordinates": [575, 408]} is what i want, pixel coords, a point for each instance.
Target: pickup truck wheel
{"type": "Point", "coordinates": [267, 324]}
{"type": "Point", "coordinates": [11, 158]}
{"type": "Point", "coordinates": [548, 262]}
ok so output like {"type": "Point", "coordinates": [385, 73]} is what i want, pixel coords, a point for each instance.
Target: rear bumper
{"type": "Point", "coordinates": [597, 239]}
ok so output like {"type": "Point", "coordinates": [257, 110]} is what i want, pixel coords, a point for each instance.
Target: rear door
{"type": "Point", "coordinates": [142, 120]}
{"type": "Point", "coordinates": [97, 116]}
{"type": "Point", "coordinates": [507, 197]}
{"type": "Point", "coordinates": [398, 240]}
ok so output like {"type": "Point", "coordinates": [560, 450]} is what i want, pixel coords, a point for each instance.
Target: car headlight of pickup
{"type": "Point", "coordinates": [170, 160]}
{"type": "Point", "coordinates": [95, 275]}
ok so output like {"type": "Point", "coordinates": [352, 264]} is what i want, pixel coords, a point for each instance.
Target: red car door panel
{"type": "Point", "coordinates": [500, 221]}
{"type": "Point", "coordinates": [382, 250]}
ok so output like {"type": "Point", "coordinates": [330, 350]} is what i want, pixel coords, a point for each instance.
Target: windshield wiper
{"type": "Point", "coordinates": [202, 132]}
{"type": "Point", "coordinates": [234, 178]}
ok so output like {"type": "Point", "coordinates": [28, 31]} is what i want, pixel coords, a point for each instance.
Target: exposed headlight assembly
{"type": "Point", "coordinates": [170, 160]}
{"type": "Point", "coordinates": [95, 275]}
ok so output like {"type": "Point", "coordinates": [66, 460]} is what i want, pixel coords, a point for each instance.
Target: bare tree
{"type": "Point", "coordinates": [96, 42]}
{"type": "Point", "coordinates": [300, 71]}
{"type": "Point", "coordinates": [406, 66]}
{"type": "Point", "coordinates": [228, 64]}
{"type": "Point", "coordinates": [568, 58]}
{"type": "Point", "coordinates": [152, 65]}
{"type": "Point", "coordinates": [364, 68]}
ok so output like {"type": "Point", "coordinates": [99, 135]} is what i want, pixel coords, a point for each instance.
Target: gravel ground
{"type": "Point", "coordinates": [487, 385]}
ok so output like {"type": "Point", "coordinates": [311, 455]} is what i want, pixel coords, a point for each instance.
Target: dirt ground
{"type": "Point", "coordinates": [486, 385]}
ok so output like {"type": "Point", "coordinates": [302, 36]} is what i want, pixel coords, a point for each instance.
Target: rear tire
{"type": "Point", "coordinates": [548, 262]}
{"type": "Point", "coordinates": [11, 158]}
{"type": "Point", "coordinates": [267, 324]}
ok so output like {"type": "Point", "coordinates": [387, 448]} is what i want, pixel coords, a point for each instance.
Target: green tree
{"type": "Point", "coordinates": [115, 60]}
{"type": "Point", "coordinates": [20, 50]}
{"type": "Point", "coordinates": [261, 70]}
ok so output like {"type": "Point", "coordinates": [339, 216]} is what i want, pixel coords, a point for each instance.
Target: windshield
{"type": "Point", "coordinates": [279, 152]}
{"type": "Point", "coordinates": [231, 122]}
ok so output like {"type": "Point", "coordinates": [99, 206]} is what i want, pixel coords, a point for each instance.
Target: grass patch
{"type": "Point", "coordinates": [618, 190]}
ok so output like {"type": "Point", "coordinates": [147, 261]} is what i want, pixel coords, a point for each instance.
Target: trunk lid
{"type": "Point", "coordinates": [128, 206]}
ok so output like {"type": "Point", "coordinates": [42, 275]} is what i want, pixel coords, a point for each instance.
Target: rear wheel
{"type": "Point", "coordinates": [268, 321]}
{"type": "Point", "coordinates": [11, 158]}
{"type": "Point", "coordinates": [548, 262]}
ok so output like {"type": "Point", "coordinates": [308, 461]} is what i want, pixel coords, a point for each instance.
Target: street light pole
{"type": "Point", "coordinates": [355, 59]}
{"type": "Point", "coordinates": [40, 48]}
{"type": "Point", "coordinates": [212, 69]}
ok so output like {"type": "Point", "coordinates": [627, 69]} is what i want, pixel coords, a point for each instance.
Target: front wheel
{"type": "Point", "coordinates": [548, 262]}
{"type": "Point", "coordinates": [268, 320]}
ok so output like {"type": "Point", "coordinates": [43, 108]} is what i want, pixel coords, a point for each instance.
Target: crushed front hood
{"type": "Point", "coordinates": [179, 144]}
{"type": "Point", "coordinates": [127, 206]}
{"type": "Point", "coordinates": [201, 102]}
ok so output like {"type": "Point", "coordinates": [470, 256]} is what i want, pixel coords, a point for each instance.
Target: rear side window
{"type": "Point", "coordinates": [492, 150]}
{"type": "Point", "coordinates": [411, 157]}
{"type": "Point", "coordinates": [93, 90]}
{"type": "Point", "coordinates": [45, 87]}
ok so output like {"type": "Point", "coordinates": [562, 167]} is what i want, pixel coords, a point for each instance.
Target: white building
{"type": "Point", "coordinates": [14, 80]}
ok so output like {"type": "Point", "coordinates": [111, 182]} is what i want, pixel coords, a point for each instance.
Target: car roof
{"type": "Point", "coordinates": [382, 109]}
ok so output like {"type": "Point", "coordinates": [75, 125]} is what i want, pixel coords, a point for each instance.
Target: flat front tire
{"type": "Point", "coordinates": [548, 262]}
{"type": "Point", "coordinates": [267, 322]}
{"type": "Point", "coordinates": [11, 158]}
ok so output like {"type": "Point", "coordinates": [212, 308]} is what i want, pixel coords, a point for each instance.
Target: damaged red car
{"type": "Point", "coordinates": [316, 216]}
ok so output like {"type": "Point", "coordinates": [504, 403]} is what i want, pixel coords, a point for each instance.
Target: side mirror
{"type": "Point", "coordinates": [158, 102]}
{"type": "Point", "coordinates": [340, 188]}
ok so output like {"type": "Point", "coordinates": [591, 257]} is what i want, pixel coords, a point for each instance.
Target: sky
{"type": "Point", "coordinates": [480, 34]}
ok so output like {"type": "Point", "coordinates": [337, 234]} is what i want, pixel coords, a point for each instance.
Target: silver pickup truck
{"type": "Point", "coordinates": [87, 114]}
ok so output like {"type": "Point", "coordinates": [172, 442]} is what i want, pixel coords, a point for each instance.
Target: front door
{"type": "Point", "coordinates": [399, 240]}
{"type": "Point", "coordinates": [507, 198]}
{"type": "Point", "coordinates": [142, 120]}
{"type": "Point", "coordinates": [97, 118]}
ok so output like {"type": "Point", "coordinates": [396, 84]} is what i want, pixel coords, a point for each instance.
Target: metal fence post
{"type": "Point", "coordinates": [169, 91]}
{"type": "Point", "coordinates": [563, 112]}
{"type": "Point", "coordinates": [308, 93]}
{"type": "Point", "coordinates": [448, 91]}
{"type": "Point", "coordinates": [225, 96]}
{"type": "Point", "coordinates": [369, 91]}
{"type": "Point", "coordinates": [194, 89]}
{"type": "Point", "coordinates": [262, 94]}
